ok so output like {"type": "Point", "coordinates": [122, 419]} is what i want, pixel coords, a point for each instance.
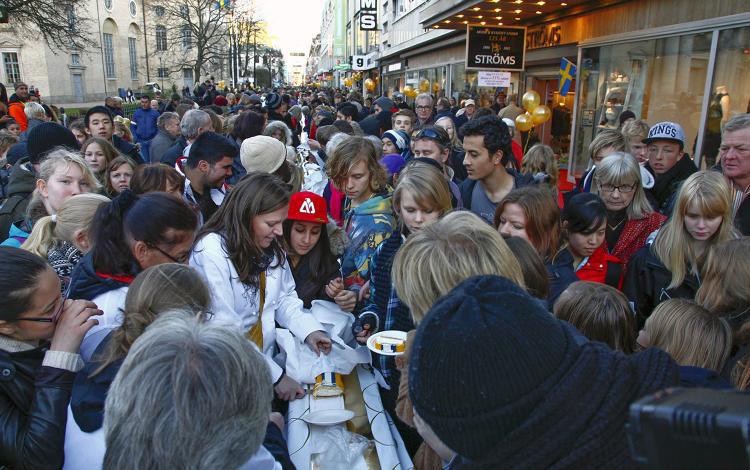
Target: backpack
{"type": "Point", "coordinates": [13, 210]}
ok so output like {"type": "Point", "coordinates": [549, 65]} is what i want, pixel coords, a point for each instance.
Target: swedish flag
{"type": "Point", "coordinates": [567, 74]}
{"type": "Point", "coordinates": [222, 4]}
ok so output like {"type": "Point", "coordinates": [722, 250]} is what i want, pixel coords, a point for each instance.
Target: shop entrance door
{"type": "Point", "coordinates": [556, 131]}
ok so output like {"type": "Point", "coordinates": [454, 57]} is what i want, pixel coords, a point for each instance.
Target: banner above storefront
{"type": "Point", "coordinates": [499, 48]}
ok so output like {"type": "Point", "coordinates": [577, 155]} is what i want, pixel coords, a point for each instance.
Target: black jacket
{"type": "Point", "coordinates": [646, 283]}
{"type": "Point", "coordinates": [310, 288]}
{"type": "Point", "coordinates": [560, 274]}
{"type": "Point", "coordinates": [21, 184]}
{"type": "Point", "coordinates": [666, 185]}
{"type": "Point", "coordinates": [33, 411]}
{"type": "Point", "coordinates": [126, 148]}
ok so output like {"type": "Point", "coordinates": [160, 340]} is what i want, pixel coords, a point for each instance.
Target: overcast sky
{"type": "Point", "coordinates": [291, 23]}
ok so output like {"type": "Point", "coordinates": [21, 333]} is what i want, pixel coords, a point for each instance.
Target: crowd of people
{"type": "Point", "coordinates": [148, 262]}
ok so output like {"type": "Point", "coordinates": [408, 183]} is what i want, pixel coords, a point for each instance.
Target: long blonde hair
{"type": "Point", "coordinates": [75, 214]}
{"type": "Point", "coordinates": [674, 246]}
{"type": "Point", "coordinates": [437, 258]}
{"type": "Point", "coordinates": [541, 159]}
{"type": "Point", "coordinates": [692, 335]}
{"type": "Point", "coordinates": [158, 289]}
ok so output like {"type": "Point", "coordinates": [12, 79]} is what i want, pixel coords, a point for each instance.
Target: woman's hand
{"type": "Point", "coordinates": [74, 322]}
{"type": "Point", "coordinates": [319, 341]}
{"type": "Point", "coordinates": [363, 335]}
{"type": "Point", "coordinates": [288, 389]}
{"type": "Point", "coordinates": [364, 293]}
{"type": "Point", "coordinates": [347, 300]}
{"type": "Point", "coordinates": [334, 287]}
{"type": "Point", "coordinates": [313, 144]}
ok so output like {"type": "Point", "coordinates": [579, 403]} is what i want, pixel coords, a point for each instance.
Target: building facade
{"type": "Point", "coordinates": [130, 51]}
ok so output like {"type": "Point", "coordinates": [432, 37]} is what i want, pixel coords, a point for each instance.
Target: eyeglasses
{"type": "Point", "coordinates": [423, 108]}
{"type": "Point", "coordinates": [55, 316]}
{"type": "Point", "coordinates": [623, 188]}
{"type": "Point", "coordinates": [433, 135]}
{"type": "Point", "coordinates": [181, 260]}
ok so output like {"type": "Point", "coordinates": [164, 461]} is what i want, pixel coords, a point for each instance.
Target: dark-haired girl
{"type": "Point", "coordinates": [584, 225]}
{"type": "Point", "coordinates": [240, 255]}
{"type": "Point", "coordinates": [40, 333]}
{"type": "Point", "coordinates": [308, 237]}
{"type": "Point", "coordinates": [129, 234]}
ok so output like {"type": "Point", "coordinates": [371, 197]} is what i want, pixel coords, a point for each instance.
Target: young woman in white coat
{"type": "Point", "coordinates": [239, 252]}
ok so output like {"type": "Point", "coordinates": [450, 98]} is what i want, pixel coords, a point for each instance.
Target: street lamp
{"type": "Point", "coordinates": [161, 69]}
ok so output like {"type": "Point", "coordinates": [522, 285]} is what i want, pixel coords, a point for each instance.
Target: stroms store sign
{"type": "Point", "coordinates": [499, 48]}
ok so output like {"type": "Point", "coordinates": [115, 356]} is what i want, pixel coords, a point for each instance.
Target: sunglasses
{"type": "Point", "coordinates": [433, 135]}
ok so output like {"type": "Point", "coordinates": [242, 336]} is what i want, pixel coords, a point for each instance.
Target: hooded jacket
{"type": "Point", "coordinates": [107, 292]}
{"type": "Point", "coordinates": [16, 110]}
{"type": "Point", "coordinates": [367, 225]}
{"type": "Point", "coordinates": [21, 185]}
{"type": "Point", "coordinates": [666, 185]}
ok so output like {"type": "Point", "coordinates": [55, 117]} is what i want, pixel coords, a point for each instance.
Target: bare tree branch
{"type": "Point", "coordinates": [63, 24]}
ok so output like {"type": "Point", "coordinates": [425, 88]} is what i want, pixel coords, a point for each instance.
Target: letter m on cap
{"type": "Point", "coordinates": [307, 207]}
{"type": "Point", "coordinates": [368, 5]}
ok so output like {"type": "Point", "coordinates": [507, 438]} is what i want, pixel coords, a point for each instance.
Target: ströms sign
{"type": "Point", "coordinates": [490, 47]}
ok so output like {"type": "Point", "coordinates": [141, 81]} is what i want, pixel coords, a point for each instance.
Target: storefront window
{"type": "Point", "coordinates": [464, 85]}
{"type": "Point", "coordinates": [658, 80]}
{"type": "Point", "coordinates": [730, 89]}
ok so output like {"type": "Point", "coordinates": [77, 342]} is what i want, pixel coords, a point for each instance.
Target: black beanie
{"type": "Point", "coordinates": [273, 100]}
{"type": "Point", "coordinates": [47, 136]}
{"type": "Point", "coordinates": [483, 357]}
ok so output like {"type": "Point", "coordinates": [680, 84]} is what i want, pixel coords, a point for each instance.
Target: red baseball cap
{"type": "Point", "coordinates": [306, 206]}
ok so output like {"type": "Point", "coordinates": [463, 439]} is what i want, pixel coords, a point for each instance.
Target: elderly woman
{"type": "Point", "coordinates": [630, 217]}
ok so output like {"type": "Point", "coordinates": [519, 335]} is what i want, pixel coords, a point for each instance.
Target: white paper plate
{"type": "Point", "coordinates": [328, 417]}
{"type": "Point", "coordinates": [391, 333]}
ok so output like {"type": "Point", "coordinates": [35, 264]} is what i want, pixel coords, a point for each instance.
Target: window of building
{"type": "Point", "coordinates": [12, 69]}
{"type": "Point", "coordinates": [133, 8]}
{"type": "Point", "coordinates": [184, 12]}
{"type": "Point", "coordinates": [163, 72]}
{"type": "Point", "coordinates": [187, 74]}
{"type": "Point", "coordinates": [658, 80]}
{"type": "Point", "coordinates": [159, 11]}
{"type": "Point", "coordinates": [187, 37]}
{"type": "Point", "coordinates": [161, 38]}
{"type": "Point", "coordinates": [108, 4]}
{"type": "Point", "coordinates": [133, 59]}
{"type": "Point", "coordinates": [72, 20]}
{"type": "Point", "coordinates": [730, 89]}
{"type": "Point", "coordinates": [75, 59]}
{"type": "Point", "coordinates": [109, 56]}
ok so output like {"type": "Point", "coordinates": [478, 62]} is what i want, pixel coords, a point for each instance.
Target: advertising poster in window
{"type": "Point", "coordinates": [495, 47]}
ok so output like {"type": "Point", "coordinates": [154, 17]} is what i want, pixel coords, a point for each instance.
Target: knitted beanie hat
{"type": "Point", "coordinates": [47, 136]}
{"type": "Point", "coordinates": [273, 100]}
{"type": "Point", "coordinates": [397, 139]}
{"type": "Point", "coordinates": [386, 104]}
{"type": "Point", "coordinates": [393, 163]}
{"type": "Point", "coordinates": [262, 154]}
{"type": "Point", "coordinates": [485, 355]}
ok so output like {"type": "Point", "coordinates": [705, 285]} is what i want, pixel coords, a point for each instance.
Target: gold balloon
{"type": "Point", "coordinates": [348, 82]}
{"type": "Point", "coordinates": [524, 122]}
{"type": "Point", "coordinates": [435, 87]}
{"type": "Point", "coordinates": [530, 100]}
{"type": "Point", "coordinates": [424, 85]}
{"type": "Point", "coordinates": [409, 91]}
{"type": "Point", "coordinates": [370, 84]}
{"type": "Point", "coordinates": [541, 114]}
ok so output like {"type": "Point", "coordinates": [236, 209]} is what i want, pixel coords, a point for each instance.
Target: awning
{"type": "Point", "coordinates": [448, 14]}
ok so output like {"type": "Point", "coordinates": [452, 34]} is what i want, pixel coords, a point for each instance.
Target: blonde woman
{"type": "Point", "coordinates": [421, 197]}
{"type": "Point", "coordinates": [446, 122]}
{"type": "Point", "coordinates": [61, 175]}
{"type": "Point", "coordinates": [431, 263]}
{"type": "Point", "coordinates": [156, 290]}
{"type": "Point", "coordinates": [630, 217]}
{"type": "Point", "coordinates": [540, 162]}
{"type": "Point", "coordinates": [671, 266]}
{"type": "Point", "coordinates": [98, 153]}
{"type": "Point", "coordinates": [699, 341]}
{"type": "Point", "coordinates": [62, 239]}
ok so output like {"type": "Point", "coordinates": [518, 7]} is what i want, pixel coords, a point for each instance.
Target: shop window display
{"type": "Point", "coordinates": [658, 80]}
{"type": "Point", "coordinates": [730, 90]}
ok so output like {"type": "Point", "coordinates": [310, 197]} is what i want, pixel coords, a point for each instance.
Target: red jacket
{"type": "Point", "coordinates": [16, 111]}
{"type": "Point", "coordinates": [602, 267]}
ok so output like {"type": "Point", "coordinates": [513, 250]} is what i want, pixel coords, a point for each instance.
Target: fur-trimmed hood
{"type": "Point", "coordinates": [273, 126]}
{"type": "Point", "coordinates": [337, 238]}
